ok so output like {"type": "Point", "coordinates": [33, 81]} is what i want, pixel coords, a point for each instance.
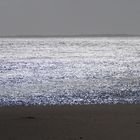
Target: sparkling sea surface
{"type": "Point", "coordinates": [69, 71]}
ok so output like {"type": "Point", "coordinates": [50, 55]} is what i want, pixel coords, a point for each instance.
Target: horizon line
{"type": "Point", "coordinates": [68, 36]}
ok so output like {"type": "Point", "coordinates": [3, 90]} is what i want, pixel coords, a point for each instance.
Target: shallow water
{"type": "Point", "coordinates": [69, 71]}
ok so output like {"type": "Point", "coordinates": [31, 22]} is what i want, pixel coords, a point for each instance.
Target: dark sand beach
{"type": "Point", "coordinates": [86, 122]}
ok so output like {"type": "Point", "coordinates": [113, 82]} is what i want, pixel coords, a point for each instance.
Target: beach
{"type": "Point", "coordinates": [70, 89]}
{"type": "Point", "coordinates": [87, 122]}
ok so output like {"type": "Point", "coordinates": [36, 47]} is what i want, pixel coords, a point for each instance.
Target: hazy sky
{"type": "Point", "coordinates": [68, 17]}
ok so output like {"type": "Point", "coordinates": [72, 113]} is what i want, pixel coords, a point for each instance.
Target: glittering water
{"type": "Point", "coordinates": [69, 71]}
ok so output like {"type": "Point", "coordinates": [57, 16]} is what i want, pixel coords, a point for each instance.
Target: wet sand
{"type": "Point", "coordinates": [86, 122]}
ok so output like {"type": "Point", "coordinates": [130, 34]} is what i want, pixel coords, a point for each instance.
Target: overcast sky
{"type": "Point", "coordinates": [69, 17]}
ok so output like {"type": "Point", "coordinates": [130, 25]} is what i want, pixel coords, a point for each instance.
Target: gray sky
{"type": "Point", "coordinates": [69, 17]}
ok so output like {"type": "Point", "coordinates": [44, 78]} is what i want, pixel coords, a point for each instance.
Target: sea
{"type": "Point", "coordinates": [61, 71]}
